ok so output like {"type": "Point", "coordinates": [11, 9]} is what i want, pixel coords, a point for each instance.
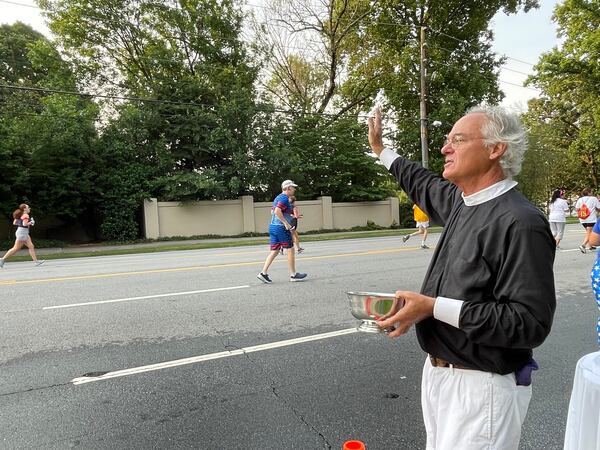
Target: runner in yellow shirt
{"type": "Point", "coordinates": [422, 224]}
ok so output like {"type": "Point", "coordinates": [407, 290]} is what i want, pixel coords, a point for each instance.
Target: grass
{"type": "Point", "coordinates": [220, 244]}
{"type": "Point", "coordinates": [214, 242]}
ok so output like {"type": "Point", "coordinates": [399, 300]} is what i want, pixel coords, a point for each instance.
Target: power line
{"type": "Point", "coordinates": [113, 97]}
{"type": "Point", "coordinates": [506, 82]}
{"type": "Point", "coordinates": [470, 43]}
{"type": "Point", "coordinates": [167, 102]}
{"type": "Point", "coordinates": [516, 71]}
{"type": "Point", "coordinates": [20, 4]}
{"type": "Point", "coordinates": [520, 85]}
{"type": "Point", "coordinates": [502, 65]}
{"type": "Point", "coordinates": [272, 20]}
{"type": "Point", "coordinates": [519, 60]}
{"type": "Point", "coordinates": [155, 59]}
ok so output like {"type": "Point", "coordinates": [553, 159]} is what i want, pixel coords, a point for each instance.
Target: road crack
{"type": "Point", "coordinates": [6, 394]}
{"type": "Point", "coordinates": [287, 404]}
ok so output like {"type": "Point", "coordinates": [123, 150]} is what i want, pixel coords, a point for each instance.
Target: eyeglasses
{"type": "Point", "coordinates": [455, 142]}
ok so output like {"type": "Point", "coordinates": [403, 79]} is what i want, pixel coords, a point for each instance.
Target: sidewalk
{"type": "Point", "coordinates": [258, 240]}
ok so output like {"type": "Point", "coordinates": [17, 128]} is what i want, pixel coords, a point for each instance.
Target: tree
{"type": "Point", "coordinates": [344, 53]}
{"type": "Point", "coordinates": [45, 137]}
{"type": "Point", "coordinates": [307, 47]}
{"type": "Point", "coordinates": [187, 56]}
{"type": "Point", "coordinates": [126, 165]}
{"type": "Point", "coordinates": [568, 111]}
{"type": "Point", "coordinates": [333, 161]}
{"type": "Point", "coordinates": [461, 69]}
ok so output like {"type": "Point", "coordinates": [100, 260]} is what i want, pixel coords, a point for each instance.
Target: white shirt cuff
{"type": "Point", "coordinates": [447, 310]}
{"type": "Point", "coordinates": [387, 157]}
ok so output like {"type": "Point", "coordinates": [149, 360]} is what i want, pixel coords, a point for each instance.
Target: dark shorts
{"type": "Point", "coordinates": [588, 225]}
{"type": "Point", "coordinates": [279, 237]}
{"type": "Point", "coordinates": [294, 223]}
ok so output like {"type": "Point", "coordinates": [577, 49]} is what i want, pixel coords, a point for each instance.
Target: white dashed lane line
{"type": "Point", "coordinates": [209, 357]}
{"type": "Point", "coordinates": [127, 299]}
{"type": "Point", "coordinates": [145, 297]}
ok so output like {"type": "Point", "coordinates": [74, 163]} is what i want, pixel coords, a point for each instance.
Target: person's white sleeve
{"type": "Point", "coordinates": [578, 203]}
{"type": "Point", "coordinates": [387, 157]}
{"type": "Point", "coordinates": [447, 310]}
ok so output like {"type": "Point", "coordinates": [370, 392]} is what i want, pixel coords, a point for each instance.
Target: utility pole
{"type": "Point", "coordinates": [424, 143]}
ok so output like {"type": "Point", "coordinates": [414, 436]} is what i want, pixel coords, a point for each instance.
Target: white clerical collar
{"type": "Point", "coordinates": [490, 192]}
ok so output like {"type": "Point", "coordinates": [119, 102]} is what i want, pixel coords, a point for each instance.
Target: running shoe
{"type": "Point", "coordinates": [424, 246]}
{"type": "Point", "coordinates": [405, 237]}
{"type": "Point", "coordinates": [1, 262]}
{"type": "Point", "coordinates": [39, 262]}
{"type": "Point", "coordinates": [300, 249]}
{"type": "Point", "coordinates": [264, 278]}
{"type": "Point", "coordinates": [297, 276]}
{"type": "Point", "coordinates": [582, 248]}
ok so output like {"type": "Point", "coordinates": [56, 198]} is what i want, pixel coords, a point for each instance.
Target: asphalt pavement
{"type": "Point", "coordinates": [188, 349]}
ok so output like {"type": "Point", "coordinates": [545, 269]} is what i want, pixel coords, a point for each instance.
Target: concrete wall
{"type": "Point", "coordinates": [224, 218]}
{"type": "Point", "coordinates": [346, 215]}
{"type": "Point", "coordinates": [234, 217]}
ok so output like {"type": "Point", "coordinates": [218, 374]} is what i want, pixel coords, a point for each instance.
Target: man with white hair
{"type": "Point", "coordinates": [280, 235]}
{"type": "Point", "coordinates": [488, 297]}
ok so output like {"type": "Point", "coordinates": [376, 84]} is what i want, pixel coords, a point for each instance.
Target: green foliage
{"type": "Point", "coordinates": [125, 164]}
{"type": "Point", "coordinates": [15, 42]}
{"type": "Point", "coordinates": [45, 139]}
{"type": "Point", "coordinates": [565, 120]}
{"type": "Point", "coordinates": [189, 125]}
{"type": "Point", "coordinates": [39, 243]}
{"type": "Point", "coordinates": [461, 68]}
{"type": "Point", "coordinates": [323, 158]}
{"type": "Point", "coordinates": [406, 215]}
{"type": "Point", "coordinates": [188, 55]}
{"type": "Point", "coordinates": [359, 49]}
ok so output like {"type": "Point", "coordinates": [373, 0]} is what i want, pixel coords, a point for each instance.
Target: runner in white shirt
{"type": "Point", "coordinates": [588, 219]}
{"type": "Point", "coordinates": [557, 215]}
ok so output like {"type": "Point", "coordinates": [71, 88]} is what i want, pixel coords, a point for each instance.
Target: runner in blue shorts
{"type": "Point", "coordinates": [280, 236]}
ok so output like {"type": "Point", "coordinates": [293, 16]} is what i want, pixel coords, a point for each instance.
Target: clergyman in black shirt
{"type": "Point", "coordinates": [488, 296]}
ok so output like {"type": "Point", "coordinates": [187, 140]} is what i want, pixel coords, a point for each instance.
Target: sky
{"type": "Point", "coordinates": [521, 37]}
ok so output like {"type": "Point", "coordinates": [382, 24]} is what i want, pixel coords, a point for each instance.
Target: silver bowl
{"type": "Point", "coordinates": [370, 306]}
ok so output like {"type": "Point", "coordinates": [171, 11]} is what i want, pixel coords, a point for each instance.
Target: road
{"type": "Point", "coordinates": [189, 350]}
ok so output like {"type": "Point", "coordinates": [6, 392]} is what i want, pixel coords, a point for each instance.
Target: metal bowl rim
{"type": "Point", "coordinates": [372, 294]}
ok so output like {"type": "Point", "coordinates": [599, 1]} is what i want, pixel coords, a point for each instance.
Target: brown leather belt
{"type": "Point", "coordinates": [439, 362]}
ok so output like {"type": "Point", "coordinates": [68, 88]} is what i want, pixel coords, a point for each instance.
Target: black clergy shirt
{"type": "Point", "coordinates": [498, 258]}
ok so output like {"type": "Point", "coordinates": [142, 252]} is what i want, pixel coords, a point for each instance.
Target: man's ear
{"type": "Point", "coordinates": [498, 150]}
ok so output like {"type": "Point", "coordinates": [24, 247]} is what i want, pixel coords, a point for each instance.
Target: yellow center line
{"type": "Point", "coordinates": [190, 268]}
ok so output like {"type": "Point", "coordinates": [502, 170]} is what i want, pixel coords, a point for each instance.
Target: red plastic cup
{"type": "Point", "coordinates": [353, 445]}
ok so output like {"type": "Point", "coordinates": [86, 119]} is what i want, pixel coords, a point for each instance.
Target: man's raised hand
{"type": "Point", "coordinates": [375, 134]}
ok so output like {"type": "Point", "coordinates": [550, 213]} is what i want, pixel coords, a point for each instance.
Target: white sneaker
{"type": "Point", "coordinates": [297, 276]}
{"type": "Point", "coordinates": [264, 278]}
{"type": "Point", "coordinates": [39, 262]}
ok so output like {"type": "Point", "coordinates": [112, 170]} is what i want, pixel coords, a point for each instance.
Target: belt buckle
{"type": "Point", "coordinates": [439, 362]}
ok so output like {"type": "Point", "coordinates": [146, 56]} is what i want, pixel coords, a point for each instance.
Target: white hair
{"type": "Point", "coordinates": [502, 126]}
